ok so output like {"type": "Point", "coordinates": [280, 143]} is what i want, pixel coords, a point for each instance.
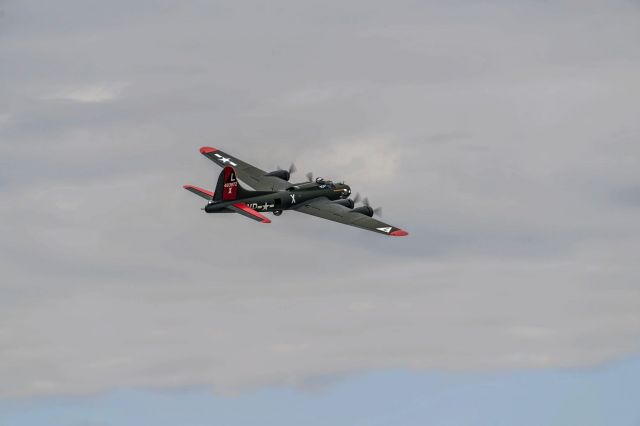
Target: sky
{"type": "Point", "coordinates": [502, 135]}
{"type": "Point", "coordinates": [599, 396]}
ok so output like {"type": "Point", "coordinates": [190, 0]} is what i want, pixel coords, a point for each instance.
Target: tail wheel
{"type": "Point", "coordinates": [277, 212]}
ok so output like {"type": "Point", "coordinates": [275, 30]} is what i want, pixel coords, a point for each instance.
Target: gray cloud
{"type": "Point", "coordinates": [501, 135]}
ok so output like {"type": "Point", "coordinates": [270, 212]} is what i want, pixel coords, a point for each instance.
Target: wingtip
{"type": "Point", "coordinates": [399, 233]}
{"type": "Point", "coordinates": [265, 220]}
{"type": "Point", "coordinates": [207, 150]}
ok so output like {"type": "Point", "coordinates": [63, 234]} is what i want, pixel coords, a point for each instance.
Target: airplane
{"type": "Point", "coordinates": [249, 191]}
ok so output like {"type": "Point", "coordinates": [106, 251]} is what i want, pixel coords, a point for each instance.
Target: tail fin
{"type": "Point", "coordinates": [228, 187]}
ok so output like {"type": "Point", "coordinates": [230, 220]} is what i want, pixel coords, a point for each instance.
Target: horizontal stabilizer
{"type": "Point", "coordinates": [207, 195]}
{"type": "Point", "coordinates": [247, 211]}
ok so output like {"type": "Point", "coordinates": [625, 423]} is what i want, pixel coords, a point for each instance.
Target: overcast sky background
{"type": "Point", "coordinates": [502, 135]}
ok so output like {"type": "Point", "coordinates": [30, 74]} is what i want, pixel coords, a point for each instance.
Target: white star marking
{"type": "Point", "coordinates": [225, 160]}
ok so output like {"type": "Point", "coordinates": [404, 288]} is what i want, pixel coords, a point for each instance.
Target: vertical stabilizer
{"type": "Point", "coordinates": [228, 188]}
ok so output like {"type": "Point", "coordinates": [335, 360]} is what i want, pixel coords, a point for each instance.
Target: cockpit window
{"type": "Point", "coordinates": [325, 183]}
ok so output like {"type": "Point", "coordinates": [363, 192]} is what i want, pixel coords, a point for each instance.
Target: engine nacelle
{"type": "Point", "coordinates": [366, 210]}
{"type": "Point", "coordinates": [347, 202]}
{"type": "Point", "coordinates": [281, 174]}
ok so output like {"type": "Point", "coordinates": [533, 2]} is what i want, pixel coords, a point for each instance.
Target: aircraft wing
{"type": "Point", "coordinates": [326, 209]}
{"type": "Point", "coordinates": [248, 174]}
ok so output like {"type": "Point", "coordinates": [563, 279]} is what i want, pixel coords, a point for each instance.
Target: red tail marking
{"type": "Point", "coordinates": [252, 212]}
{"type": "Point", "coordinates": [230, 188]}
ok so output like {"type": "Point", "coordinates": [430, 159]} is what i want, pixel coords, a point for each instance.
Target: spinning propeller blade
{"type": "Point", "coordinates": [292, 169]}
{"type": "Point", "coordinates": [377, 211]}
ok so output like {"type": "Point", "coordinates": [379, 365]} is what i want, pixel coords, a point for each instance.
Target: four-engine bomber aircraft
{"type": "Point", "coordinates": [272, 192]}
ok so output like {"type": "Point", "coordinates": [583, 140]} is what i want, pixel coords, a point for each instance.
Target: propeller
{"type": "Point", "coordinates": [377, 211]}
{"type": "Point", "coordinates": [310, 176]}
{"type": "Point", "coordinates": [292, 169]}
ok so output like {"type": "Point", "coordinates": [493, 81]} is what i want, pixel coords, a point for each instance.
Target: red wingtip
{"type": "Point", "coordinates": [265, 220]}
{"type": "Point", "coordinates": [207, 150]}
{"type": "Point", "coordinates": [399, 233]}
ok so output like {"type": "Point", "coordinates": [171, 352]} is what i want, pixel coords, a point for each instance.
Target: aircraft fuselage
{"type": "Point", "coordinates": [283, 200]}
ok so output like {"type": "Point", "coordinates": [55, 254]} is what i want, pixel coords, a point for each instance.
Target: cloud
{"type": "Point", "coordinates": [373, 159]}
{"type": "Point", "coordinates": [502, 136]}
{"type": "Point", "coordinates": [4, 119]}
{"type": "Point", "coordinates": [88, 94]}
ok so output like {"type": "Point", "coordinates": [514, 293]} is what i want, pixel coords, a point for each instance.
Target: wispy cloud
{"type": "Point", "coordinates": [95, 93]}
